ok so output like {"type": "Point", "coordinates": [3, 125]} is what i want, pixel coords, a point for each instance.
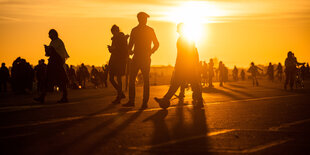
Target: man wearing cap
{"type": "Point", "coordinates": [141, 38]}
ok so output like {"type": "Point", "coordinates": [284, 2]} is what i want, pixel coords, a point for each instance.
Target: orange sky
{"type": "Point", "coordinates": [234, 31]}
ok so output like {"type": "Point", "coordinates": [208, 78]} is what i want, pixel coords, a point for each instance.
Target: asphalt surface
{"type": "Point", "coordinates": [236, 119]}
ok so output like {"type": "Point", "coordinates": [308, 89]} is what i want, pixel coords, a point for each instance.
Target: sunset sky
{"type": "Point", "coordinates": [235, 31]}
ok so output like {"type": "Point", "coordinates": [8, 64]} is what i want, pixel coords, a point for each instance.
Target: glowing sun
{"type": "Point", "coordinates": [194, 15]}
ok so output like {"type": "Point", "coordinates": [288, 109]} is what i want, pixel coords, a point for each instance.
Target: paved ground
{"type": "Point", "coordinates": [236, 119]}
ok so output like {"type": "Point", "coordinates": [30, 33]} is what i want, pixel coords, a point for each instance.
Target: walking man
{"type": "Point", "coordinates": [185, 71]}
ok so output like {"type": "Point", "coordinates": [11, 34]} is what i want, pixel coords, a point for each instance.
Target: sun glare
{"type": "Point", "coordinates": [194, 15]}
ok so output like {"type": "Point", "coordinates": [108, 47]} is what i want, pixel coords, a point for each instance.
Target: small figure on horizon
{"type": "Point", "coordinates": [225, 73]}
{"type": "Point", "coordinates": [279, 72]}
{"type": "Point", "coordinates": [204, 73]}
{"type": "Point", "coordinates": [211, 72]}
{"type": "Point", "coordinates": [94, 76]}
{"type": "Point", "coordinates": [242, 74]}
{"type": "Point", "coordinates": [141, 38]}
{"type": "Point", "coordinates": [56, 74]}
{"type": "Point", "coordinates": [221, 73]}
{"type": "Point", "coordinates": [303, 71]}
{"type": "Point", "coordinates": [82, 75]}
{"type": "Point", "coordinates": [185, 71]}
{"type": "Point", "coordinates": [72, 78]}
{"type": "Point", "coordinates": [118, 59]}
{"type": "Point", "coordinates": [40, 72]}
{"type": "Point", "coordinates": [235, 73]}
{"type": "Point", "coordinates": [307, 69]}
{"type": "Point", "coordinates": [270, 72]}
{"type": "Point", "coordinates": [4, 77]}
{"type": "Point", "coordinates": [105, 75]}
{"type": "Point", "coordinates": [254, 72]}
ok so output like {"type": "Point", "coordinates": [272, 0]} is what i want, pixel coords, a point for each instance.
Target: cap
{"type": "Point", "coordinates": [143, 15]}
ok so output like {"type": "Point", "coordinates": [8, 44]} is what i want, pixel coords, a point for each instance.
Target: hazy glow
{"type": "Point", "coordinates": [194, 15]}
{"type": "Point", "coordinates": [235, 31]}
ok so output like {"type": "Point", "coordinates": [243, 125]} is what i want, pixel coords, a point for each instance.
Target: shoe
{"type": "Point", "coordinates": [63, 100]}
{"type": "Point", "coordinates": [39, 99]}
{"type": "Point", "coordinates": [163, 103]}
{"type": "Point", "coordinates": [129, 104]}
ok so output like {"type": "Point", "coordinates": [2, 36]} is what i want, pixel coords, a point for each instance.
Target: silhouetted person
{"type": "Point", "coordinates": [30, 76]}
{"type": "Point", "coordinates": [141, 38]}
{"type": "Point", "coordinates": [242, 74]}
{"type": "Point", "coordinates": [204, 73]}
{"type": "Point", "coordinates": [221, 73]}
{"type": "Point", "coordinates": [72, 77]}
{"type": "Point", "coordinates": [211, 72]}
{"type": "Point", "coordinates": [225, 73]}
{"type": "Point", "coordinates": [118, 60]}
{"type": "Point", "coordinates": [4, 77]}
{"type": "Point", "coordinates": [56, 74]}
{"type": "Point", "coordinates": [22, 75]}
{"type": "Point", "coordinates": [185, 71]}
{"type": "Point", "coordinates": [279, 71]}
{"type": "Point", "coordinates": [83, 75]}
{"type": "Point", "coordinates": [94, 76]}
{"type": "Point", "coordinates": [235, 73]}
{"type": "Point", "coordinates": [307, 69]}
{"type": "Point", "coordinates": [40, 72]}
{"type": "Point", "coordinates": [290, 70]}
{"type": "Point", "coordinates": [270, 72]}
{"type": "Point", "coordinates": [105, 75]}
{"type": "Point", "coordinates": [254, 72]}
{"type": "Point", "coordinates": [303, 71]}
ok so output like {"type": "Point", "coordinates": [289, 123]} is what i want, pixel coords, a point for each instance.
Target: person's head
{"type": "Point", "coordinates": [3, 64]}
{"type": "Point", "coordinates": [53, 34]}
{"type": "Point", "coordinates": [279, 64]}
{"type": "Point", "coordinates": [270, 64]}
{"type": "Point", "coordinates": [252, 63]}
{"type": "Point", "coordinates": [115, 29]}
{"type": "Point", "coordinates": [93, 66]}
{"type": "Point", "coordinates": [180, 28]}
{"type": "Point", "coordinates": [82, 64]}
{"type": "Point", "coordinates": [290, 54]}
{"type": "Point", "coordinates": [71, 66]}
{"type": "Point", "coordinates": [221, 63]}
{"type": "Point", "coordinates": [142, 18]}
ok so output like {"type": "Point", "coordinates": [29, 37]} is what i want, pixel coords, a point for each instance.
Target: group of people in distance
{"type": "Point", "coordinates": [140, 44]}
